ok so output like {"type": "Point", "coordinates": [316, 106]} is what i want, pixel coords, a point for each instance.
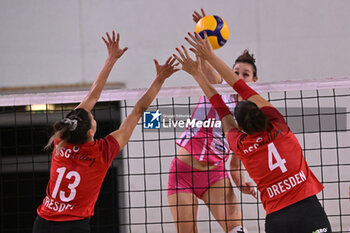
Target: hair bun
{"type": "Point", "coordinates": [246, 57]}
{"type": "Point", "coordinates": [71, 123]}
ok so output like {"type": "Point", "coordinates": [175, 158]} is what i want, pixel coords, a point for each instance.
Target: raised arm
{"type": "Point", "coordinates": [203, 49]}
{"type": "Point", "coordinates": [209, 71]}
{"type": "Point", "coordinates": [124, 132]}
{"type": "Point", "coordinates": [194, 68]}
{"type": "Point", "coordinates": [114, 53]}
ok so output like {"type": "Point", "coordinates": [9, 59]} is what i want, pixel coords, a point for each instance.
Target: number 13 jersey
{"type": "Point", "coordinates": [275, 161]}
{"type": "Point", "coordinates": [77, 173]}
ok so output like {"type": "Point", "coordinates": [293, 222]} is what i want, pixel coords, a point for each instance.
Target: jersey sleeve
{"type": "Point", "coordinates": [234, 137]}
{"type": "Point", "coordinates": [109, 147]}
{"type": "Point", "coordinates": [273, 114]}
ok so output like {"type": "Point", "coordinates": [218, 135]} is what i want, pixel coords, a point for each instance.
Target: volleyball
{"type": "Point", "coordinates": [216, 28]}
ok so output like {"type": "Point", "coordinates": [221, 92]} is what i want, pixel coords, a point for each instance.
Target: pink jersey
{"type": "Point", "coordinates": [275, 161]}
{"type": "Point", "coordinates": [77, 173]}
{"type": "Point", "coordinates": [207, 144]}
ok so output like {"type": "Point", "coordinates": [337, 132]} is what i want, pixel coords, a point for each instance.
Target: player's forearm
{"type": "Point", "coordinates": [213, 95]}
{"type": "Point", "coordinates": [224, 70]}
{"type": "Point", "coordinates": [99, 83]}
{"type": "Point", "coordinates": [211, 75]}
{"type": "Point", "coordinates": [205, 85]}
{"type": "Point", "coordinates": [95, 91]}
{"type": "Point", "coordinates": [123, 134]}
{"type": "Point", "coordinates": [144, 102]}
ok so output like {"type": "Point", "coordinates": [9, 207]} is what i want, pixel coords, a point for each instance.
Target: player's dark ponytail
{"type": "Point", "coordinates": [250, 118]}
{"type": "Point", "coordinates": [73, 128]}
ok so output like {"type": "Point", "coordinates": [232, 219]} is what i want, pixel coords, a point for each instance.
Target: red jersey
{"type": "Point", "coordinates": [77, 173]}
{"type": "Point", "coordinates": [275, 161]}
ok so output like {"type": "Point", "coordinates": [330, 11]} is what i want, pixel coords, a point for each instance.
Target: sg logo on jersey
{"type": "Point", "coordinates": [151, 120]}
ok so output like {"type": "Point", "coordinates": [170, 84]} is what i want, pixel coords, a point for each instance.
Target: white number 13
{"type": "Point", "coordinates": [71, 186]}
{"type": "Point", "coordinates": [272, 150]}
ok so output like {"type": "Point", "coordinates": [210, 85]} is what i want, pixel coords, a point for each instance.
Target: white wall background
{"type": "Point", "coordinates": [58, 42]}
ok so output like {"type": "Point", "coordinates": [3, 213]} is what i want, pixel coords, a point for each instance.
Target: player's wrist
{"type": "Point", "coordinates": [211, 58]}
{"type": "Point", "coordinates": [243, 89]}
{"type": "Point", "coordinates": [219, 106]}
{"type": "Point", "coordinates": [160, 79]}
{"type": "Point", "coordinates": [198, 75]}
{"type": "Point", "coordinates": [111, 60]}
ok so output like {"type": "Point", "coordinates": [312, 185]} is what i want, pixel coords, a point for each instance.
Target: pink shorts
{"type": "Point", "coordinates": [186, 179]}
{"type": "Point", "coordinates": [205, 149]}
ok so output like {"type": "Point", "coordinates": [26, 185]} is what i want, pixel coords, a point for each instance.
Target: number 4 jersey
{"type": "Point", "coordinates": [274, 160]}
{"type": "Point", "coordinates": [77, 173]}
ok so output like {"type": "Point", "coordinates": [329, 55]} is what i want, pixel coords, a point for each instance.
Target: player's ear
{"type": "Point", "coordinates": [255, 78]}
{"type": "Point", "coordinates": [91, 133]}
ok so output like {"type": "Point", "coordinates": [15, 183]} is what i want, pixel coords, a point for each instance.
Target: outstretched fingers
{"type": "Point", "coordinates": [195, 40]}
{"type": "Point", "coordinates": [109, 38]}
{"type": "Point", "coordinates": [108, 41]}
{"type": "Point", "coordinates": [156, 62]}
{"type": "Point", "coordinates": [168, 63]}
{"type": "Point", "coordinates": [200, 47]}
{"type": "Point", "coordinates": [167, 69]}
{"type": "Point", "coordinates": [168, 60]}
{"type": "Point", "coordinates": [192, 41]}
{"type": "Point", "coordinates": [124, 49]}
{"type": "Point", "coordinates": [194, 51]}
{"type": "Point", "coordinates": [181, 54]}
{"type": "Point", "coordinates": [184, 55]}
{"type": "Point", "coordinates": [118, 38]}
{"type": "Point", "coordinates": [185, 51]}
{"type": "Point", "coordinates": [112, 43]}
{"type": "Point", "coordinates": [113, 36]}
{"type": "Point", "coordinates": [173, 65]}
{"type": "Point", "coordinates": [204, 40]}
{"type": "Point", "coordinates": [196, 16]}
{"type": "Point", "coordinates": [203, 13]}
{"type": "Point", "coordinates": [117, 42]}
{"type": "Point", "coordinates": [172, 61]}
{"type": "Point", "coordinates": [178, 59]}
{"type": "Point", "coordinates": [105, 41]}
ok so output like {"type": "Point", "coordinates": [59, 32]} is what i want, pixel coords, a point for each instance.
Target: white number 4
{"type": "Point", "coordinates": [272, 150]}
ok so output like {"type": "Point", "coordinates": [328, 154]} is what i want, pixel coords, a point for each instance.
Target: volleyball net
{"type": "Point", "coordinates": [133, 197]}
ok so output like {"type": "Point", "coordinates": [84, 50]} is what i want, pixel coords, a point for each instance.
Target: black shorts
{"type": "Point", "coordinates": [44, 226]}
{"type": "Point", "coordinates": [305, 216]}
